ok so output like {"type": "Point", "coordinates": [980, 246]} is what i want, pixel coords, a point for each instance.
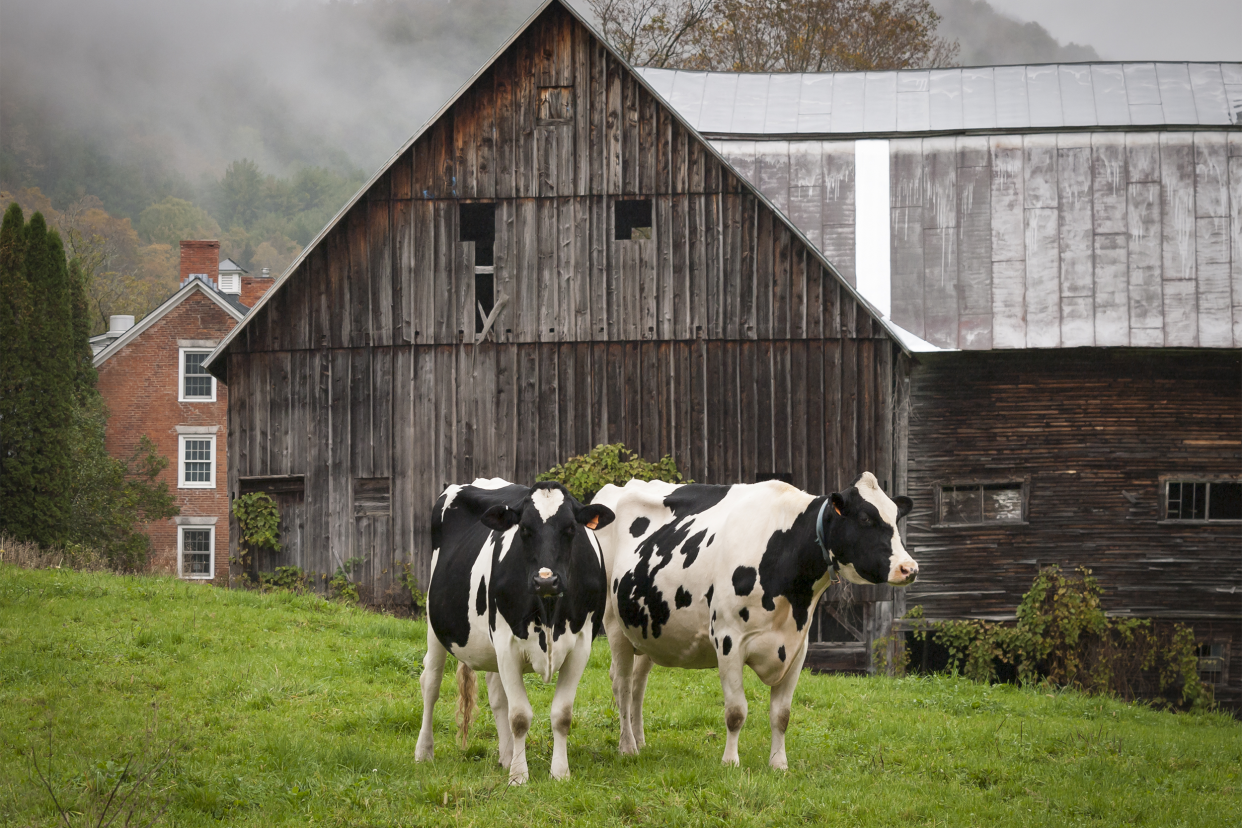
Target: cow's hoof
{"type": "Point", "coordinates": [731, 763]}
{"type": "Point", "coordinates": [560, 773]}
{"type": "Point", "coordinates": [424, 754]}
{"type": "Point", "coordinates": [779, 763]}
{"type": "Point", "coordinates": [519, 778]}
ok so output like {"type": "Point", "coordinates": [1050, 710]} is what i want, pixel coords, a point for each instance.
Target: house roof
{"type": "Point", "coordinates": [230, 265]}
{"type": "Point", "coordinates": [905, 339]}
{"type": "Point", "coordinates": [990, 98]}
{"type": "Point", "coordinates": [227, 303]}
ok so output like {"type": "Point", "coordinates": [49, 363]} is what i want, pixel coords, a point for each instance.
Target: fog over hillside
{"type": "Point", "coordinates": [170, 88]}
{"type": "Point", "coordinates": [988, 37]}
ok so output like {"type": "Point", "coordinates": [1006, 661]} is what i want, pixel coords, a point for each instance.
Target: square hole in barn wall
{"type": "Point", "coordinates": [556, 105]}
{"type": "Point", "coordinates": [972, 504]}
{"type": "Point", "coordinates": [477, 223]}
{"type": "Point", "coordinates": [632, 219]}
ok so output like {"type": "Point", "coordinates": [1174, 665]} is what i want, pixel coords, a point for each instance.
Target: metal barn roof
{"type": "Point", "coordinates": [1042, 96]}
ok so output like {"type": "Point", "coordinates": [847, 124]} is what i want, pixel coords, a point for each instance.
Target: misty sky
{"type": "Point", "coordinates": [1140, 29]}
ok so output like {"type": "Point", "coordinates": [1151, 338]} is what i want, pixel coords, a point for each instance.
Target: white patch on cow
{"type": "Point", "coordinates": [506, 542]}
{"type": "Point", "coordinates": [871, 492]}
{"type": "Point", "coordinates": [547, 502]}
{"type": "Point", "coordinates": [435, 556]}
{"type": "Point", "coordinates": [450, 494]}
{"type": "Point", "coordinates": [490, 483]}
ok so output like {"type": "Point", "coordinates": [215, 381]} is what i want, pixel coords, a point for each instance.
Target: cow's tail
{"type": "Point", "coordinates": [467, 700]}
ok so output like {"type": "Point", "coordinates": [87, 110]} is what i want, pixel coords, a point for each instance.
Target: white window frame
{"type": "Point", "coordinates": [182, 483]}
{"type": "Point", "coordinates": [181, 397]}
{"type": "Point", "coordinates": [211, 568]}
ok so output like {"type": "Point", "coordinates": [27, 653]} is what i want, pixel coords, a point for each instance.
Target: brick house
{"type": "Point", "coordinates": [151, 378]}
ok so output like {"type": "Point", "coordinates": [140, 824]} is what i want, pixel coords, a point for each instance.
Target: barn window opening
{"type": "Point", "coordinates": [478, 224]}
{"type": "Point", "coordinates": [1203, 501]}
{"type": "Point", "coordinates": [1212, 667]}
{"type": "Point", "coordinates": [632, 219]}
{"type": "Point", "coordinates": [978, 503]}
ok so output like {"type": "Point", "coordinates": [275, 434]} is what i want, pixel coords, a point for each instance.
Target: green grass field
{"type": "Point", "coordinates": [289, 710]}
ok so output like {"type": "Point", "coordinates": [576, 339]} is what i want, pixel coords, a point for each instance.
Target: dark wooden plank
{"type": "Point", "coordinates": [662, 250]}
{"type": "Point", "coordinates": [682, 406]}
{"type": "Point", "coordinates": [548, 294]}
{"type": "Point", "coordinates": [631, 150]}
{"type": "Point", "coordinates": [581, 271]}
{"type": "Point", "coordinates": [447, 417]}
{"type": "Point", "coordinates": [699, 435]}
{"type": "Point", "coordinates": [505, 408]}
{"type": "Point", "coordinates": [615, 147]}
{"type": "Point", "coordinates": [715, 402]}
{"type": "Point", "coordinates": [648, 289]}
{"type": "Point", "coordinates": [524, 106]}
{"type": "Point", "coordinates": [765, 282]}
{"type": "Point", "coordinates": [647, 140]}
{"type": "Point", "coordinates": [467, 404]}
{"type": "Point", "coordinates": [715, 245]}
{"type": "Point", "coordinates": [526, 273]}
{"type": "Point", "coordinates": [581, 413]}
{"type": "Point", "coordinates": [748, 267]}
{"type": "Point", "coordinates": [403, 271]}
{"type": "Point", "coordinates": [583, 82]}
{"type": "Point", "coordinates": [361, 444]}
{"type": "Point", "coordinates": [678, 257]}
{"type": "Point", "coordinates": [506, 125]}
{"type": "Point", "coordinates": [834, 397]}
{"type": "Point", "coordinates": [757, 423]}
{"type": "Point", "coordinates": [732, 404]}
{"type": "Point", "coordinates": [444, 226]}
{"type": "Point", "coordinates": [603, 285]}
{"type": "Point", "coordinates": [379, 269]}
{"type": "Point", "coordinates": [698, 228]}
{"type": "Point", "coordinates": [782, 407]}
{"type": "Point", "coordinates": [782, 304]}
{"type": "Point", "coordinates": [340, 472]}
{"type": "Point", "coordinates": [650, 378]}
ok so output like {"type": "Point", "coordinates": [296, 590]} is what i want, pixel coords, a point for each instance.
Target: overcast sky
{"type": "Point", "coordinates": [1140, 29]}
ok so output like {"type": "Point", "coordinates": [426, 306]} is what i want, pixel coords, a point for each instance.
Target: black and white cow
{"type": "Point", "coordinates": [727, 576]}
{"type": "Point", "coordinates": [517, 586]}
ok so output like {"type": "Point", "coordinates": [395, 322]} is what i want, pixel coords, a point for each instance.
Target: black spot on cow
{"type": "Point", "coordinates": [709, 541]}
{"type": "Point", "coordinates": [713, 616]}
{"type": "Point", "coordinates": [683, 598]}
{"type": "Point", "coordinates": [780, 653]}
{"type": "Point", "coordinates": [639, 526]}
{"type": "Point", "coordinates": [614, 584]}
{"type": "Point", "coordinates": [640, 603]}
{"type": "Point", "coordinates": [744, 580]}
{"type": "Point", "coordinates": [480, 598]}
{"type": "Point", "coordinates": [710, 590]}
{"type": "Point", "coordinates": [726, 645]}
{"type": "Point", "coordinates": [744, 614]}
{"type": "Point", "coordinates": [790, 575]}
{"type": "Point", "coordinates": [694, 499]}
{"type": "Point", "coordinates": [690, 550]}
{"type": "Point", "coordinates": [543, 640]}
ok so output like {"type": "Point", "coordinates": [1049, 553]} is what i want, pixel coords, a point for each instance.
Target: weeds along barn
{"type": "Point", "coordinates": [639, 290]}
{"type": "Point", "coordinates": [1015, 293]}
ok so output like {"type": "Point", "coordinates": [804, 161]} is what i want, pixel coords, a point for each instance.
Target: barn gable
{"type": "Point", "coordinates": [555, 122]}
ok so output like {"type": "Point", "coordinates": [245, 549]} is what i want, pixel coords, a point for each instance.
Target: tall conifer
{"type": "Point", "coordinates": [51, 386]}
{"type": "Point", "coordinates": [15, 469]}
{"type": "Point", "coordinates": [85, 376]}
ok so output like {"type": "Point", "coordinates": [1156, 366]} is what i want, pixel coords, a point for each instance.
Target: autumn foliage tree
{"type": "Point", "coordinates": [776, 35]}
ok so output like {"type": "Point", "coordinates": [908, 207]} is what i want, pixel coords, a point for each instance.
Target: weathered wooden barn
{"type": "Point", "coordinates": [1068, 242]}
{"type": "Point", "coordinates": [637, 289]}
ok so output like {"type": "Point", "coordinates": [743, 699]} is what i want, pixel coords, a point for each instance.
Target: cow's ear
{"type": "Point", "coordinates": [500, 518]}
{"type": "Point", "coordinates": [838, 503]}
{"type": "Point", "coordinates": [904, 505]}
{"type": "Point", "coordinates": [594, 516]}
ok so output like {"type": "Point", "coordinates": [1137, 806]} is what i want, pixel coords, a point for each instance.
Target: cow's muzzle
{"type": "Point", "coordinates": [906, 573]}
{"type": "Point", "coordinates": [547, 584]}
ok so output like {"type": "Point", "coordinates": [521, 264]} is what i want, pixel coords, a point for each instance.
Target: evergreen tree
{"type": "Point", "coordinates": [85, 376]}
{"type": "Point", "coordinates": [45, 512]}
{"type": "Point", "coordinates": [15, 471]}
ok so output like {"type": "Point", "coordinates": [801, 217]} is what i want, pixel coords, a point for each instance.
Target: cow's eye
{"type": "Point", "coordinates": [864, 520]}
{"type": "Point", "coordinates": [526, 531]}
{"type": "Point", "coordinates": [570, 530]}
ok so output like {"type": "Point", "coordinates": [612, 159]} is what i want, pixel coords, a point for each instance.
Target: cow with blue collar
{"type": "Point", "coordinates": [517, 586]}
{"type": "Point", "coordinates": [728, 576]}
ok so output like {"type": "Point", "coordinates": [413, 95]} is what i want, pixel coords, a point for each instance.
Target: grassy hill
{"type": "Point", "coordinates": [287, 710]}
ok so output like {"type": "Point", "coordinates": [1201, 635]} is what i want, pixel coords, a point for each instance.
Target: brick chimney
{"type": "Point", "coordinates": [201, 258]}
{"type": "Point", "coordinates": [253, 287]}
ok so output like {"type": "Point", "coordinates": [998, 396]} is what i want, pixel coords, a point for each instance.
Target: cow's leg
{"type": "Point", "coordinates": [429, 681]}
{"type": "Point", "coordinates": [622, 673]}
{"type": "Point", "coordinates": [638, 680]}
{"type": "Point", "coordinates": [499, 702]}
{"type": "Point", "coordinates": [778, 712]}
{"type": "Point", "coordinates": [563, 706]}
{"type": "Point", "coordinates": [520, 713]}
{"type": "Point", "coordinates": [735, 705]}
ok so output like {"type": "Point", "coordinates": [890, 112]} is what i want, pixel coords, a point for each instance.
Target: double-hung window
{"type": "Point", "coordinates": [196, 461]}
{"type": "Point", "coordinates": [194, 383]}
{"type": "Point", "coordinates": [965, 504]}
{"type": "Point", "coordinates": [196, 551]}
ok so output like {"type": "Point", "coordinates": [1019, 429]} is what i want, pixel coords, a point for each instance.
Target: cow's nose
{"type": "Point", "coordinates": [907, 571]}
{"type": "Point", "coordinates": [547, 583]}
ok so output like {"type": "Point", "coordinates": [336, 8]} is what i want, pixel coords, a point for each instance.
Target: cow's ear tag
{"type": "Point", "coordinates": [836, 509]}
{"type": "Point", "coordinates": [593, 522]}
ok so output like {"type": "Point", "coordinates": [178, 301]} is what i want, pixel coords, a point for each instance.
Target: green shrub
{"type": "Point", "coordinates": [259, 522]}
{"type": "Point", "coordinates": [339, 585]}
{"type": "Point", "coordinates": [586, 474]}
{"type": "Point", "coordinates": [1063, 637]}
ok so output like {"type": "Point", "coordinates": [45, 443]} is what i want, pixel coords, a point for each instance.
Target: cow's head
{"type": "Point", "coordinates": [863, 534]}
{"type": "Point", "coordinates": [547, 522]}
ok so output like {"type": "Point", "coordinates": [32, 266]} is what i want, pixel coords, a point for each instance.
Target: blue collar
{"type": "Point", "coordinates": [819, 538]}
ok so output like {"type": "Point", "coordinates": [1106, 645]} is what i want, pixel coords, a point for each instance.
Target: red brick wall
{"type": "Point", "coordinates": [201, 257]}
{"type": "Point", "coordinates": [253, 288]}
{"type": "Point", "coordinates": [140, 385]}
